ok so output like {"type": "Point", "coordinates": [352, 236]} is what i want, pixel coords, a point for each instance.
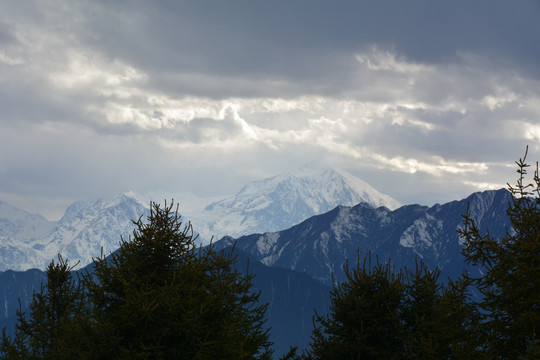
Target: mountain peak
{"type": "Point", "coordinates": [321, 244]}
{"type": "Point", "coordinates": [281, 201]}
{"type": "Point", "coordinates": [86, 229]}
{"type": "Point", "coordinates": [327, 182]}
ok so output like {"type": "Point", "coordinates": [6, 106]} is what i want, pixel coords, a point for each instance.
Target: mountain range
{"type": "Point", "coordinates": [320, 245]}
{"type": "Point", "coordinates": [85, 230]}
{"type": "Point", "coordinates": [90, 227]}
{"type": "Point", "coordinates": [293, 259]}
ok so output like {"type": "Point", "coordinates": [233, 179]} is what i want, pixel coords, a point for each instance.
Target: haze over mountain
{"type": "Point", "coordinates": [85, 230]}
{"type": "Point", "coordinates": [18, 230]}
{"type": "Point", "coordinates": [89, 227]}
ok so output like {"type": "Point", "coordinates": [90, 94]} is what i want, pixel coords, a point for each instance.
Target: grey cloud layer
{"type": "Point", "coordinates": [100, 96]}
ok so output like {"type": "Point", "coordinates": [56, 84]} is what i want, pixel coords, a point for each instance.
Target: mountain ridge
{"type": "Point", "coordinates": [90, 227]}
{"type": "Point", "coordinates": [320, 245]}
{"type": "Point", "coordinates": [286, 199]}
{"type": "Point", "coordinates": [87, 229]}
{"type": "Point", "coordinates": [294, 267]}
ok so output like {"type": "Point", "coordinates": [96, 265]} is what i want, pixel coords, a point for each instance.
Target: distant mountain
{"type": "Point", "coordinates": [22, 225]}
{"type": "Point", "coordinates": [293, 267]}
{"type": "Point", "coordinates": [87, 229]}
{"type": "Point", "coordinates": [30, 241]}
{"type": "Point", "coordinates": [284, 200]}
{"type": "Point", "coordinates": [320, 245]}
{"type": "Point", "coordinates": [19, 229]}
{"type": "Point", "coordinates": [82, 233]}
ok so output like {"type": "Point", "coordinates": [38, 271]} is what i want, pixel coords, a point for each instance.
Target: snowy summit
{"type": "Point", "coordinates": [284, 200]}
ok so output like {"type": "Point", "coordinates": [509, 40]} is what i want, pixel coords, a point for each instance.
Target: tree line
{"type": "Point", "coordinates": [162, 297]}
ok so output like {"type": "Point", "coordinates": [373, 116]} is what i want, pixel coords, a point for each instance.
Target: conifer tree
{"type": "Point", "coordinates": [439, 320]}
{"type": "Point", "coordinates": [158, 297]}
{"type": "Point", "coordinates": [459, 319]}
{"type": "Point", "coordinates": [379, 313]}
{"type": "Point", "coordinates": [422, 321]}
{"type": "Point", "coordinates": [510, 286]}
{"type": "Point", "coordinates": [364, 319]}
{"type": "Point", "coordinates": [47, 333]}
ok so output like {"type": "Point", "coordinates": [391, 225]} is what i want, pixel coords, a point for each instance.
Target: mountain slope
{"type": "Point", "coordinates": [22, 225]}
{"type": "Point", "coordinates": [292, 298]}
{"type": "Point", "coordinates": [320, 245]}
{"type": "Point", "coordinates": [87, 228]}
{"type": "Point", "coordinates": [17, 286]}
{"type": "Point", "coordinates": [267, 205]}
{"type": "Point", "coordinates": [284, 200]}
{"type": "Point", "coordinates": [18, 230]}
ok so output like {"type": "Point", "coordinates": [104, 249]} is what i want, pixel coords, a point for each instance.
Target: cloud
{"type": "Point", "coordinates": [98, 96]}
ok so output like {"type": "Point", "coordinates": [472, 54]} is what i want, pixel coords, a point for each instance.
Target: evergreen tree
{"type": "Point", "coordinates": [53, 313]}
{"type": "Point", "coordinates": [459, 320]}
{"type": "Point", "coordinates": [379, 313]}
{"type": "Point", "coordinates": [420, 315]}
{"type": "Point", "coordinates": [364, 319]}
{"type": "Point", "coordinates": [439, 321]}
{"type": "Point", "coordinates": [158, 297]}
{"type": "Point", "coordinates": [510, 286]}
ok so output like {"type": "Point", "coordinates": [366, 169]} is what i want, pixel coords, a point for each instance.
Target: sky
{"type": "Point", "coordinates": [427, 101]}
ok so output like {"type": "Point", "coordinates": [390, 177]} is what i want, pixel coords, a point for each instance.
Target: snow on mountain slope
{"type": "Point", "coordinates": [267, 205]}
{"type": "Point", "coordinates": [320, 245]}
{"type": "Point", "coordinates": [367, 193]}
{"type": "Point", "coordinates": [284, 200]}
{"type": "Point", "coordinates": [22, 225]}
{"type": "Point", "coordinates": [18, 229]}
{"type": "Point", "coordinates": [15, 254]}
{"type": "Point", "coordinates": [85, 229]}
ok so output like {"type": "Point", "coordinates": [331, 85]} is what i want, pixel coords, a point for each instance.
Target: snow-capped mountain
{"type": "Point", "coordinates": [18, 230]}
{"type": "Point", "coordinates": [87, 227]}
{"type": "Point", "coordinates": [317, 247]}
{"type": "Point", "coordinates": [22, 225]}
{"type": "Point", "coordinates": [284, 200]}
{"type": "Point", "coordinates": [29, 241]}
{"type": "Point", "coordinates": [321, 245]}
